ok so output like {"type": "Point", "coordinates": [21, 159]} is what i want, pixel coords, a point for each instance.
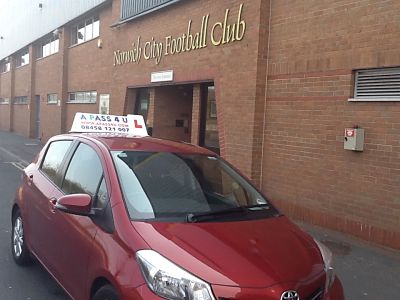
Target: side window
{"type": "Point", "coordinates": [52, 162]}
{"type": "Point", "coordinates": [84, 172]}
{"type": "Point", "coordinates": [102, 195]}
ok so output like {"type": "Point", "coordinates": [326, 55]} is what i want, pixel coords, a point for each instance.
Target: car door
{"type": "Point", "coordinates": [73, 234]}
{"type": "Point", "coordinates": [40, 185]}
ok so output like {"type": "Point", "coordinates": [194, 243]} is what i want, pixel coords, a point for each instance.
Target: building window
{"type": "Point", "coordinates": [52, 98]}
{"type": "Point", "coordinates": [82, 97]}
{"type": "Point", "coordinates": [4, 66]}
{"type": "Point", "coordinates": [4, 100]}
{"type": "Point", "coordinates": [377, 85]}
{"type": "Point", "coordinates": [22, 58]}
{"type": "Point", "coordinates": [21, 100]}
{"type": "Point", "coordinates": [86, 30]}
{"type": "Point", "coordinates": [133, 8]}
{"type": "Point", "coordinates": [49, 47]}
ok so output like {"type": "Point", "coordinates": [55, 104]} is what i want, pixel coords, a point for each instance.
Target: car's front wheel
{"type": "Point", "coordinates": [106, 292]}
{"type": "Point", "coordinates": [19, 249]}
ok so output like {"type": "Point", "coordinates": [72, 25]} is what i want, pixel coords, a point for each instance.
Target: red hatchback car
{"type": "Point", "coordinates": [127, 217]}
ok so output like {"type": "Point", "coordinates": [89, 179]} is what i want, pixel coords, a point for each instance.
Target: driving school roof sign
{"type": "Point", "coordinates": [130, 124]}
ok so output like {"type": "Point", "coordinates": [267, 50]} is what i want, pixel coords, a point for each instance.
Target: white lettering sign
{"type": "Point", "coordinates": [162, 76]}
{"type": "Point", "coordinates": [130, 124]}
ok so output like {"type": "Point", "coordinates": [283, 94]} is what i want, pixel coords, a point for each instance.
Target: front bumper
{"type": "Point", "coordinates": [230, 293]}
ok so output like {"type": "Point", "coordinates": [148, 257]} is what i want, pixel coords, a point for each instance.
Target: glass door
{"type": "Point", "coordinates": [209, 137]}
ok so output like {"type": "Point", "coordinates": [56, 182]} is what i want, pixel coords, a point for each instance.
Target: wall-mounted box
{"type": "Point", "coordinates": [354, 139]}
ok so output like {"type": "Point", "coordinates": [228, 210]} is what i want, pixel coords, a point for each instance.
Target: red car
{"type": "Point", "coordinates": [124, 217]}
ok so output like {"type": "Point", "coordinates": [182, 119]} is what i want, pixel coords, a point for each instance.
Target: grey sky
{"type": "Point", "coordinates": [22, 21]}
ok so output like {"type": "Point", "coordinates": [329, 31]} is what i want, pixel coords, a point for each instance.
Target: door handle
{"type": "Point", "coordinates": [30, 179]}
{"type": "Point", "coordinates": [52, 204]}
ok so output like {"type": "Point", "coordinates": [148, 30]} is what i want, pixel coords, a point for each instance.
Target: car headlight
{"type": "Point", "coordinates": [170, 281]}
{"type": "Point", "coordinates": [328, 261]}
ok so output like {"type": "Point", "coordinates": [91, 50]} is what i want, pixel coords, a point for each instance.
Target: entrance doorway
{"type": "Point", "coordinates": [170, 113]}
{"type": "Point", "coordinates": [167, 111]}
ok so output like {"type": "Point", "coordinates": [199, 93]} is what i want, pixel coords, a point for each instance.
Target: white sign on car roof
{"type": "Point", "coordinates": [130, 124]}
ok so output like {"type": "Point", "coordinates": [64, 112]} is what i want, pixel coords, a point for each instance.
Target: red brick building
{"type": "Point", "coordinates": [271, 85]}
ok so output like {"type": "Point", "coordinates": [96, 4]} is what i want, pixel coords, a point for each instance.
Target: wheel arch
{"type": "Point", "coordinates": [97, 284]}
{"type": "Point", "coordinates": [14, 210]}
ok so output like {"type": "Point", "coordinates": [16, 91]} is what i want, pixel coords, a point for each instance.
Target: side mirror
{"type": "Point", "coordinates": [76, 204]}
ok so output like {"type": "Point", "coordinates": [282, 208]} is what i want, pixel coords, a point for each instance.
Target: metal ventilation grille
{"type": "Point", "coordinates": [131, 8]}
{"type": "Point", "coordinates": [378, 84]}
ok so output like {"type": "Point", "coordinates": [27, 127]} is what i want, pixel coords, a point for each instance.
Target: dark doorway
{"type": "Point", "coordinates": [172, 112]}
{"type": "Point", "coordinates": [142, 102]}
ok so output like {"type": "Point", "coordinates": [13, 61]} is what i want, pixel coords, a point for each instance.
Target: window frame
{"type": "Point", "coordinates": [65, 159]}
{"type": "Point", "coordinates": [84, 93]}
{"type": "Point", "coordinates": [48, 42]}
{"type": "Point", "coordinates": [4, 101]}
{"type": "Point", "coordinates": [5, 66]}
{"type": "Point", "coordinates": [52, 102]}
{"type": "Point", "coordinates": [20, 100]}
{"type": "Point", "coordinates": [68, 164]}
{"type": "Point", "coordinates": [93, 22]}
{"type": "Point", "coordinates": [19, 58]}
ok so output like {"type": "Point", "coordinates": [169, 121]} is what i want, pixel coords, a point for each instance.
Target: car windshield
{"type": "Point", "coordinates": [165, 186]}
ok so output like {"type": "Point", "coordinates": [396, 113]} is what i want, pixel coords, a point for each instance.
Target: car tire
{"type": "Point", "coordinates": [106, 292]}
{"type": "Point", "coordinates": [20, 251]}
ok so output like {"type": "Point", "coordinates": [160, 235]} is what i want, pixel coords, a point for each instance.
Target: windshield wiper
{"type": "Point", "coordinates": [192, 218]}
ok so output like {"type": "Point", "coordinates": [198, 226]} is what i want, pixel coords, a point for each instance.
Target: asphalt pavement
{"type": "Point", "coordinates": [367, 271]}
{"type": "Point", "coordinates": [32, 282]}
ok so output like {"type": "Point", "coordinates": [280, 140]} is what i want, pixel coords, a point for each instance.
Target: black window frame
{"type": "Point", "coordinates": [68, 163]}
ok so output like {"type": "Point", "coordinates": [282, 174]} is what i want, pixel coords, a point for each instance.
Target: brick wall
{"type": "Point", "coordinates": [5, 92]}
{"type": "Point", "coordinates": [4, 117]}
{"type": "Point", "coordinates": [232, 67]}
{"type": "Point", "coordinates": [20, 114]}
{"type": "Point", "coordinates": [281, 98]}
{"type": "Point", "coordinates": [314, 47]}
{"type": "Point", "coordinates": [48, 80]}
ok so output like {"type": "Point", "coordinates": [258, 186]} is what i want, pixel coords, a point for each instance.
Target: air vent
{"type": "Point", "coordinates": [377, 84]}
{"type": "Point", "coordinates": [133, 8]}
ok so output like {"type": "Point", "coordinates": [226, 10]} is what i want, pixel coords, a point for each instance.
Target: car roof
{"type": "Point", "coordinates": [139, 143]}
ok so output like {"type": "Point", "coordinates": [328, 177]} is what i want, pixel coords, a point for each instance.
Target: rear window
{"type": "Point", "coordinates": [160, 185]}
